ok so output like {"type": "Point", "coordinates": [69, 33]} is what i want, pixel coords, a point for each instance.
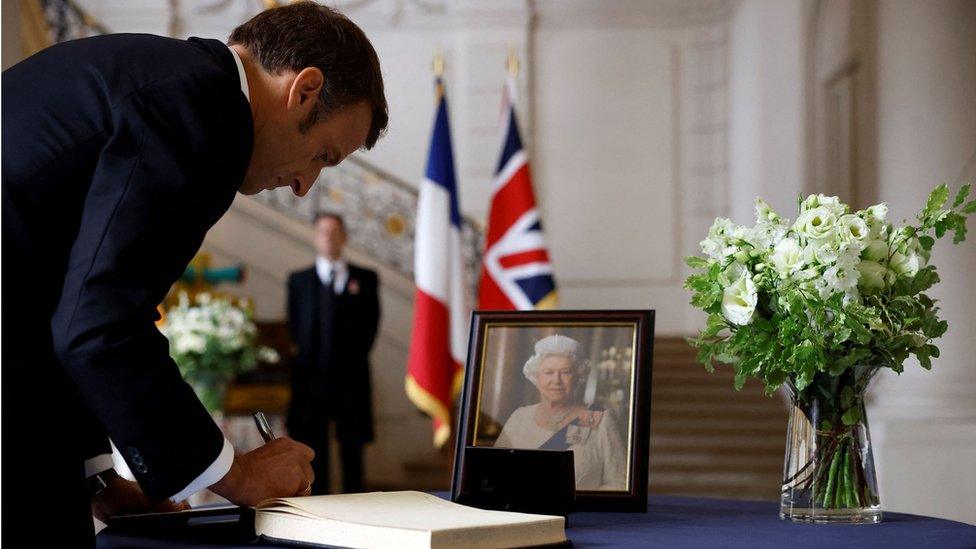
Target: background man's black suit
{"type": "Point", "coordinates": [119, 153]}
{"type": "Point", "coordinates": [330, 375]}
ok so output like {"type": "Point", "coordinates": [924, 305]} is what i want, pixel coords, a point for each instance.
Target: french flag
{"type": "Point", "coordinates": [437, 345]}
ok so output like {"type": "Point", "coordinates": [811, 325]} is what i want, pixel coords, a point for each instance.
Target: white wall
{"type": "Point", "coordinates": [766, 94]}
{"type": "Point", "coordinates": [925, 422]}
{"type": "Point", "coordinates": [630, 156]}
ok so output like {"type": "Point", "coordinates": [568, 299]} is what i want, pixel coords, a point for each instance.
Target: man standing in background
{"type": "Point", "coordinates": [333, 314]}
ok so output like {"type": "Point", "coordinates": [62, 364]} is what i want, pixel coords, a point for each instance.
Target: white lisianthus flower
{"type": "Point", "coordinates": [874, 277]}
{"type": "Point", "coordinates": [739, 301]}
{"type": "Point", "coordinates": [877, 250]}
{"type": "Point", "coordinates": [817, 225]}
{"type": "Point", "coordinates": [877, 213]}
{"type": "Point", "coordinates": [829, 203]}
{"type": "Point", "coordinates": [788, 257]}
{"type": "Point", "coordinates": [732, 273]}
{"type": "Point", "coordinates": [906, 264]}
{"type": "Point", "coordinates": [853, 230]}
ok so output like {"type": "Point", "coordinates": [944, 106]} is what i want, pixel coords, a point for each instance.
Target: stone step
{"type": "Point", "coordinates": [677, 427]}
{"type": "Point", "coordinates": [702, 461]}
{"type": "Point", "coordinates": [711, 410]}
{"type": "Point", "coordinates": [715, 443]}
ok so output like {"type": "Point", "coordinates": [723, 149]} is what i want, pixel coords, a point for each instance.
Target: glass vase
{"type": "Point", "coordinates": [828, 474]}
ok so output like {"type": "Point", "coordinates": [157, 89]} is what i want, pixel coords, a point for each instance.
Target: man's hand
{"type": "Point", "coordinates": [124, 497]}
{"type": "Point", "coordinates": [280, 468]}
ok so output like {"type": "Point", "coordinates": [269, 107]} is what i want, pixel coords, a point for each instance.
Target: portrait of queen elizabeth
{"type": "Point", "coordinates": [560, 420]}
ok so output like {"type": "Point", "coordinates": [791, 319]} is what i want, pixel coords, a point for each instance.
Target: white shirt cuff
{"type": "Point", "coordinates": [211, 475]}
{"type": "Point", "coordinates": [97, 464]}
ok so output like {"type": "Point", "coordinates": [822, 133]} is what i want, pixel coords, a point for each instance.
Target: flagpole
{"type": "Point", "coordinates": [513, 62]}
{"type": "Point", "coordinates": [437, 67]}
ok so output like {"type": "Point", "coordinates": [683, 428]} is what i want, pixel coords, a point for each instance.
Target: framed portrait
{"type": "Point", "coordinates": [564, 380]}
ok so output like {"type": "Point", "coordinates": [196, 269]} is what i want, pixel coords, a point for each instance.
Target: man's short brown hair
{"type": "Point", "coordinates": [306, 34]}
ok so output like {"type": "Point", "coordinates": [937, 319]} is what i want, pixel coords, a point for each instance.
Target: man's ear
{"type": "Point", "coordinates": [306, 86]}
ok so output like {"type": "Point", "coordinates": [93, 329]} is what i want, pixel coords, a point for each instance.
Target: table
{"type": "Point", "coordinates": [691, 522]}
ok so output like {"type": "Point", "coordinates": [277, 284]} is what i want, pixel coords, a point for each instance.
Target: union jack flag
{"type": "Point", "coordinates": [516, 272]}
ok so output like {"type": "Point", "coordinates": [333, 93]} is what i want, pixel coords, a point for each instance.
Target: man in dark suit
{"type": "Point", "coordinates": [333, 314]}
{"type": "Point", "coordinates": [119, 153]}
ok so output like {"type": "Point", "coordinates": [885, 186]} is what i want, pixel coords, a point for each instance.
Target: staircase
{"type": "Point", "coordinates": [707, 439]}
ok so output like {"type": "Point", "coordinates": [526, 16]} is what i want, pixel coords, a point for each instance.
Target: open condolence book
{"type": "Point", "coordinates": [400, 519]}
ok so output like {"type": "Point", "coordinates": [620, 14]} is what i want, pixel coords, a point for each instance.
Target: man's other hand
{"type": "Point", "coordinates": [124, 497]}
{"type": "Point", "coordinates": [280, 468]}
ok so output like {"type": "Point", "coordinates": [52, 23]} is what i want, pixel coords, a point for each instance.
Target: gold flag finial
{"type": "Point", "coordinates": [513, 62]}
{"type": "Point", "coordinates": [438, 64]}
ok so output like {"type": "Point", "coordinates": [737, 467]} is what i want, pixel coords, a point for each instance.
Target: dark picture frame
{"type": "Point", "coordinates": [617, 378]}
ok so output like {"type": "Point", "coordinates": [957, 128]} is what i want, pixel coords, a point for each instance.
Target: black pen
{"type": "Point", "coordinates": [264, 427]}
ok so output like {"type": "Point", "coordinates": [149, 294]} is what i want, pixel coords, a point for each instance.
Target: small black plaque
{"type": "Point", "coordinates": [525, 481]}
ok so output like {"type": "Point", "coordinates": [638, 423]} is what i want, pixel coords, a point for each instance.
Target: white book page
{"type": "Point", "coordinates": [404, 510]}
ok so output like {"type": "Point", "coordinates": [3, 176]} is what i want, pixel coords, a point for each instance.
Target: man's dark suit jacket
{"type": "Point", "coordinates": [119, 153]}
{"type": "Point", "coordinates": [339, 389]}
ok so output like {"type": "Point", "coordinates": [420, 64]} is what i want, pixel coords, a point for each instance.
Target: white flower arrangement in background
{"type": "Point", "coordinates": [212, 339]}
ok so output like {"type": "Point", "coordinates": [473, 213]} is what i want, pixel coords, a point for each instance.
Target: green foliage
{"type": "Point", "coordinates": [796, 336]}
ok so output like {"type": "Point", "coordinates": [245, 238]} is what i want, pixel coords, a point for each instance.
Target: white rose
{"type": "Point", "coordinates": [873, 276]}
{"type": "Point", "coordinates": [788, 257]}
{"type": "Point", "coordinates": [818, 224]}
{"type": "Point", "coordinates": [739, 301]}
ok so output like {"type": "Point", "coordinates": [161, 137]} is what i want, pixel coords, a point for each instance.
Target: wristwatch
{"type": "Point", "coordinates": [99, 481]}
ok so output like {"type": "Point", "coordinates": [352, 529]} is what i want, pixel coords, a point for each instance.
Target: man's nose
{"type": "Point", "coordinates": [305, 182]}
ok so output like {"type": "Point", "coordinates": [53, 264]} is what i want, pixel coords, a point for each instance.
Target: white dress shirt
{"type": "Point", "coordinates": [337, 271]}
{"type": "Point", "coordinates": [225, 459]}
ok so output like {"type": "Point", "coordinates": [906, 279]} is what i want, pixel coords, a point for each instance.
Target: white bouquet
{"type": "Point", "coordinates": [819, 305]}
{"type": "Point", "coordinates": [212, 339]}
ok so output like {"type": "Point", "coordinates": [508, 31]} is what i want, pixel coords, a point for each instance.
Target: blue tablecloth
{"type": "Point", "coordinates": [688, 522]}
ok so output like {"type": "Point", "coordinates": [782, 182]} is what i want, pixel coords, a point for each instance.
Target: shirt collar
{"type": "Point", "coordinates": [324, 267]}
{"type": "Point", "coordinates": [240, 71]}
